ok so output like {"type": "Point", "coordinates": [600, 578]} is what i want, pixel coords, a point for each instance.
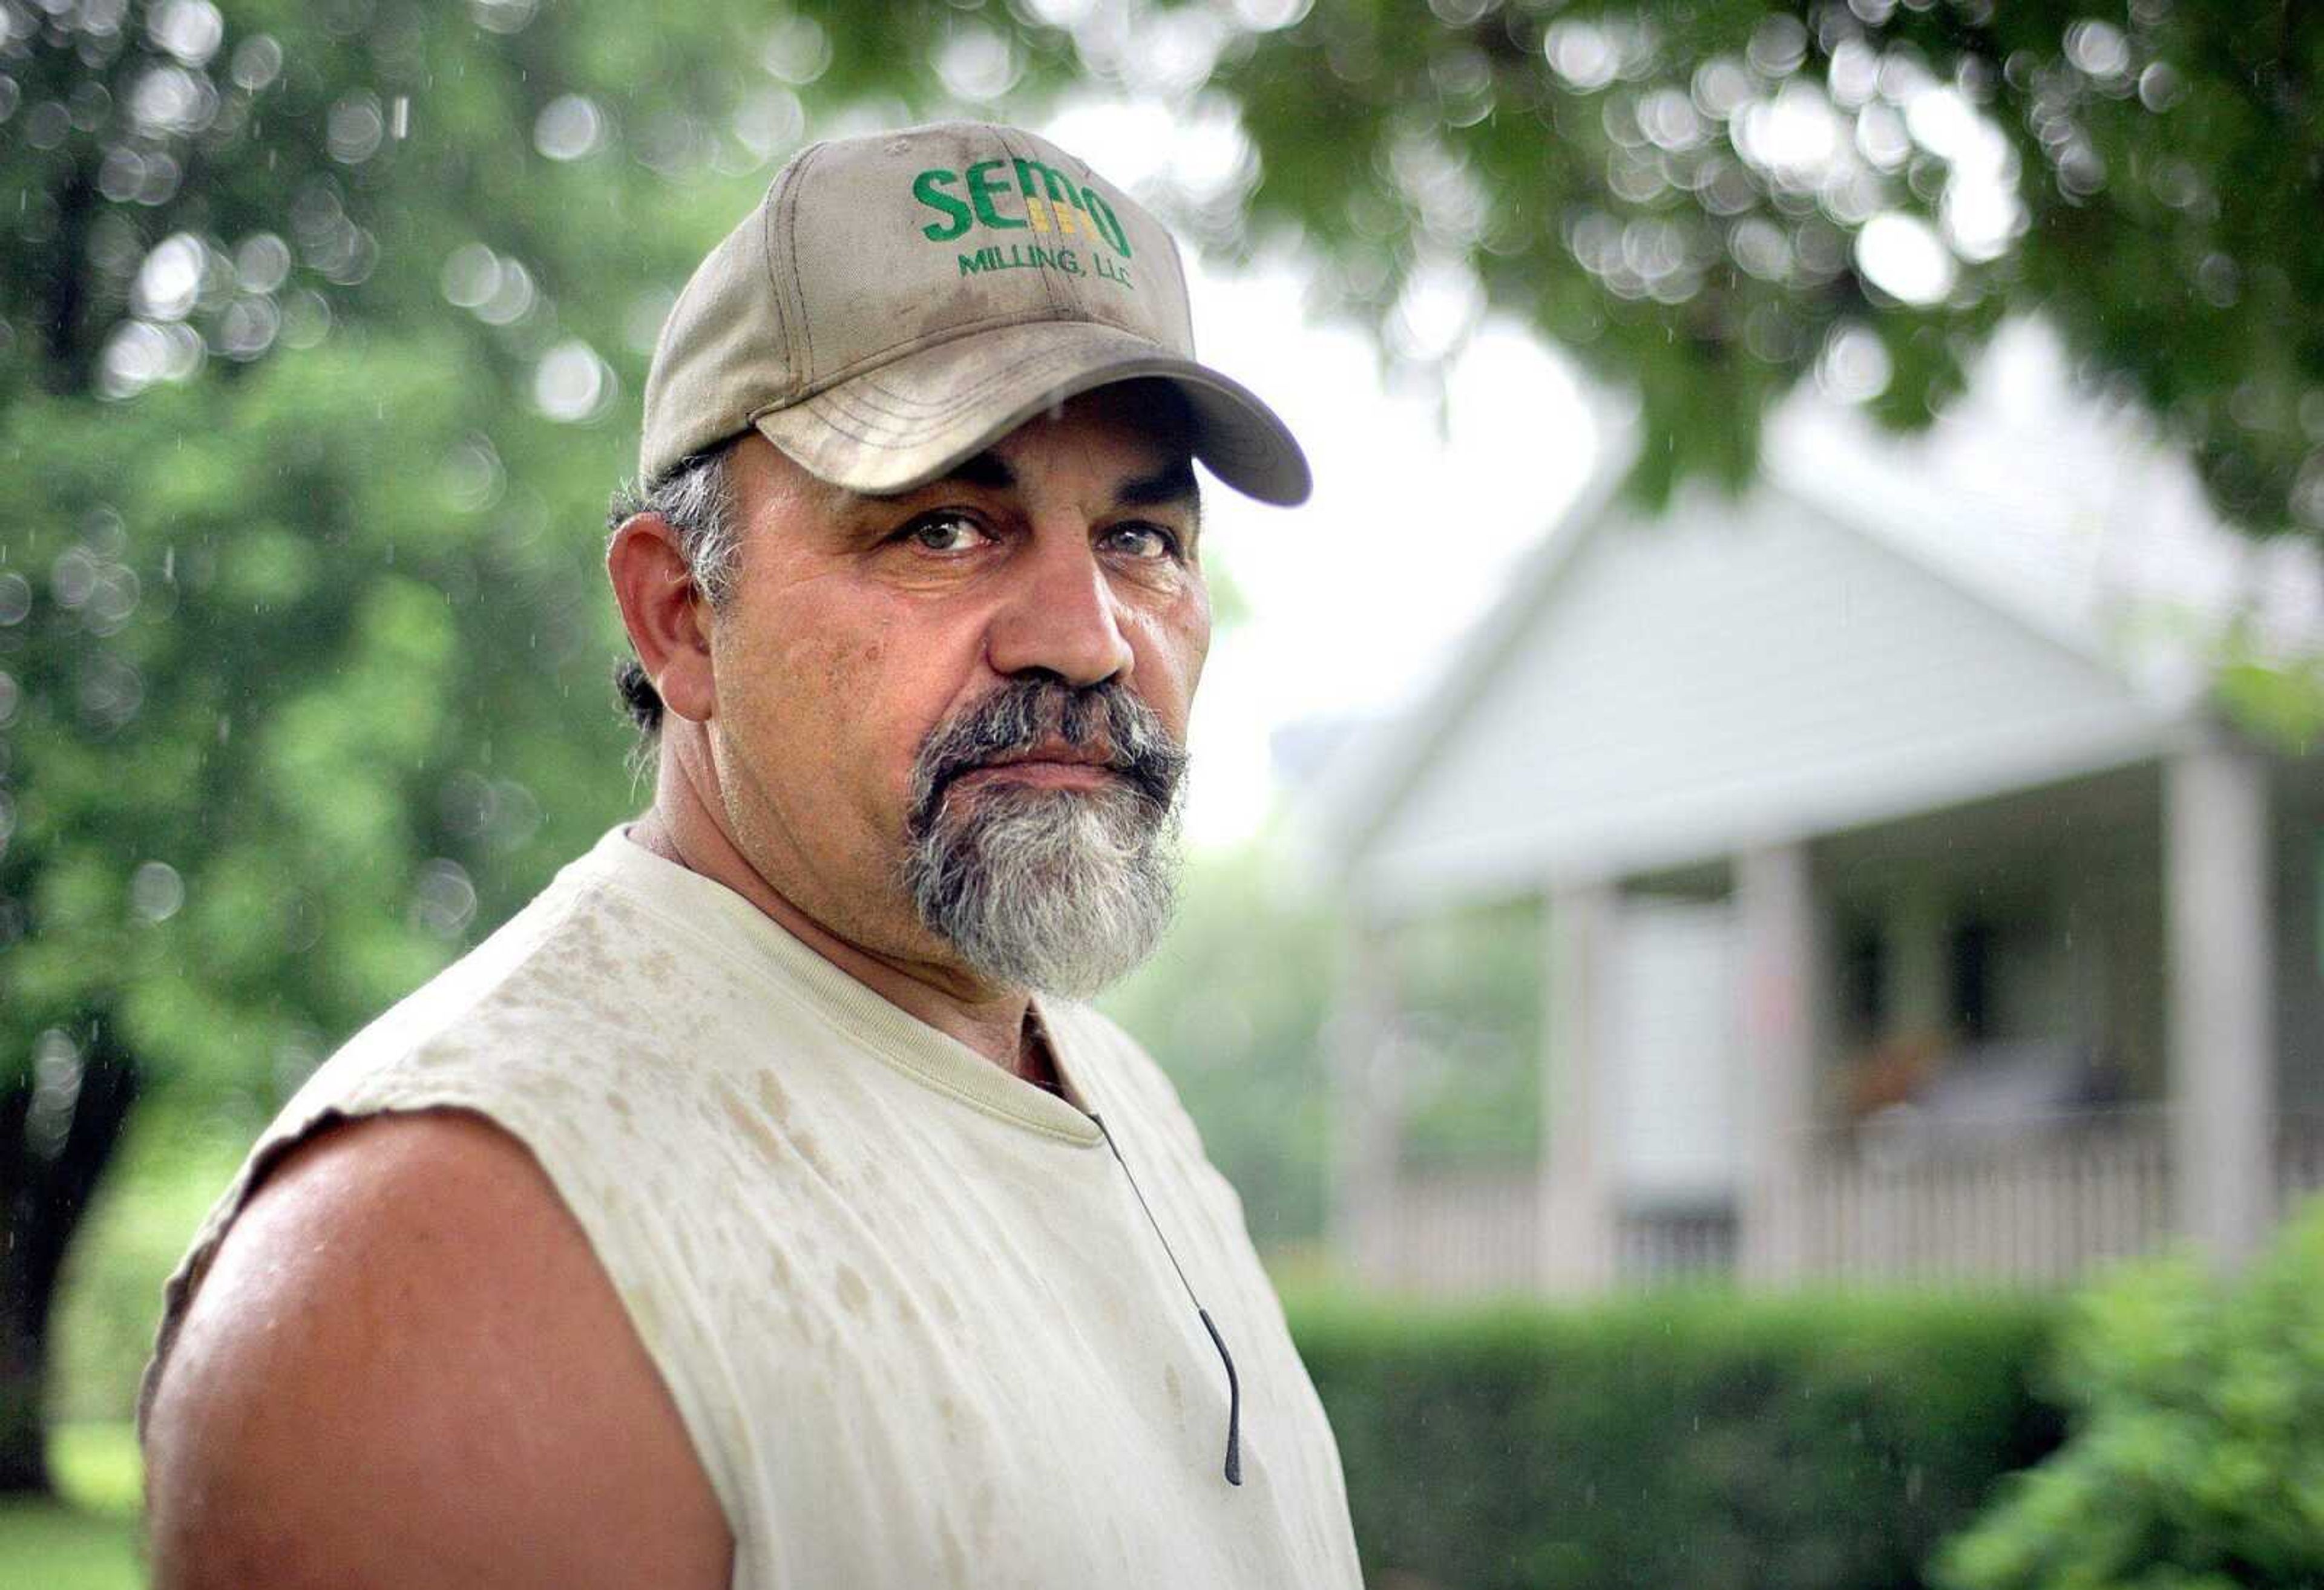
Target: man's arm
{"type": "Point", "coordinates": [406, 1367]}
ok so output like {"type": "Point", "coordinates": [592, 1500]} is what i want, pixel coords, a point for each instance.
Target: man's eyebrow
{"type": "Point", "coordinates": [1173, 482]}
{"type": "Point", "coordinates": [986, 469]}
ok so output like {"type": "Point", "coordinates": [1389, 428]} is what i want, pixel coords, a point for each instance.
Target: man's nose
{"type": "Point", "coordinates": [1060, 613]}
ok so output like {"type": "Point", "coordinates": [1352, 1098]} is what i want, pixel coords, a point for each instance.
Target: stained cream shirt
{"type": "Point", "coordinates": [916, 1324]}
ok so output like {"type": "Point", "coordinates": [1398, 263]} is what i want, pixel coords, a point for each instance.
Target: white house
{"type": "Point", "coordinates": [1912, 909]}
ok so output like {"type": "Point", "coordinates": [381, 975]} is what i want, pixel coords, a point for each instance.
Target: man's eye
{"type": "Point", "coordinates": [1142, 541]}
{"type": "Point", "coordinates": [946, 532]}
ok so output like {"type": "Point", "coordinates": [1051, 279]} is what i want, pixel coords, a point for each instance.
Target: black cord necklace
{"type": "Point", "coordinates": [1234, 1386]}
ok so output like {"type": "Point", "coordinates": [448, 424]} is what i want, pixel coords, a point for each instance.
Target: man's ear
{"type": "Point", "coordinates": [665, 613]}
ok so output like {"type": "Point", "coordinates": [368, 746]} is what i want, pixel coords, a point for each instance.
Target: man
{"type": "Point", "coordinates": [757, 1207]}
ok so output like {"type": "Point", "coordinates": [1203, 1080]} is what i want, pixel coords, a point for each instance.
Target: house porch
{"type": "Point", "coordinates": [1998, 1043]}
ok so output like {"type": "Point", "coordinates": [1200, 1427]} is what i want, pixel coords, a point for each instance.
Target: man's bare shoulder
{"type": "Point", "coordinates": [406, 1366]}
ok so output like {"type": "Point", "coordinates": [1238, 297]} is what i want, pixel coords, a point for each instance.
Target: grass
{"type": "Point", "coordinates": [86, 1537]}
{"type": "Point", "coordinates": [97, 1469]}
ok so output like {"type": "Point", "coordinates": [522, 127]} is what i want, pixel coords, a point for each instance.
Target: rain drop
{"type": "Point", "coordinates": [156, 892]}
{"type": "Point", "coordinates": [356, 128]}
{"type": "Point", "coordinates": [471, 275]}
{"type": "Point", "coordinates": [170, 281]}
{"type": "Point", "coordinates": [572, 384]}
{"type": "Point", "coordinates": [257, 62]}
{"type": "Point", "coordinates": [570, 127]}
{"type": "Point", "coordinates": [503, 17]}
{"type": "Point", "coordinates": [191, 30]}
{"type": "Point", "coordinates": [443, 900]}
{"type": "Point", "coordinates": [1853, 367]}
{"type": "Point", "coordinates": [797, 52]}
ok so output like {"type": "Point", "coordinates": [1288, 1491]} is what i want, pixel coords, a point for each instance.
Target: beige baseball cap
{"type": "Point", "coordinates": [898, 303]}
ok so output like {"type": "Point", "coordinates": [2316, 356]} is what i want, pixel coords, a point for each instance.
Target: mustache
{"type": "Point", "coordinates": [1021, 714]}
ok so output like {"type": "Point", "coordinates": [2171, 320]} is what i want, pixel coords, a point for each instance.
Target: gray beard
{"type": "Point", "coordinates": [1058, 891]}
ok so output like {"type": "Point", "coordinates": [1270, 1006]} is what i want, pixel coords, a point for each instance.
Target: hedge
{"type": "Point", "coordinates": [1675, 1441]}
{"type": "Point", "coordinates": [2198, 1456]}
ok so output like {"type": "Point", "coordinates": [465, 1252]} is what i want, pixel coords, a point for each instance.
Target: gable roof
{"type": "Point", "coordinates": [2078, 578]}
{"type": "Point", "coordinates": [1376, 766]}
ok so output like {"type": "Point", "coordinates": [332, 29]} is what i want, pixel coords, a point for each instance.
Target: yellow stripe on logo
{"type": "Point", "coordinates": [1054, 214]}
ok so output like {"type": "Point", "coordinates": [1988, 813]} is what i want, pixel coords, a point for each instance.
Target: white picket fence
{"type": "Point", "coordinates": [2037, 1210]}
{"type": "Point", "coordinates": [1458, 1234]}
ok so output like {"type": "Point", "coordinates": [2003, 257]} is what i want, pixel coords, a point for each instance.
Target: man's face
{"type": "Point", "coordinates": [947, 723]}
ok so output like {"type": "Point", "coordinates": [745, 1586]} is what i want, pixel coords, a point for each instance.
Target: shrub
{"type": "Point", "coordinates": [2197, 1459]}
{"type": "Point", "coordinates": [1675, 1441]}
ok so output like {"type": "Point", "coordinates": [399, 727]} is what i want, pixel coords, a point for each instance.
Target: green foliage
{"type": "Point", "coordinates": [2280, 702]}
{"type": "Point", "coordinates": [1470, 1041]}
{"type": "Point", "coordinates": [291, 722]}
{"type": "Point", "coordinates": [1232, 1007]}
{"type": "Point", "coordinates": [2197, 1459]}
{"type": "Point", "coordinates": [171, 1166]}
{"type": "Point", "coordinates": [328, 162]}
{"type": "Point", "coordinates": [1678, 1442]}
{"type": "Point", "coordinates": [86, 1539]}
{"type": "Point", "coordinates": [45, 1546]}
{"type": "Point", "coordinates": [1611, 174]}
{"type": "Point", "coordinates": [100, 1467]}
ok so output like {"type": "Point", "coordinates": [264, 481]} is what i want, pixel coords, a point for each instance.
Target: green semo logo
{"type": "Point", "coordinates": [1042, 199]}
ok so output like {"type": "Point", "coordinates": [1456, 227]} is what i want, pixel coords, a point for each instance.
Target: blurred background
{"type": "Point", "coordinates": [1754, 941]}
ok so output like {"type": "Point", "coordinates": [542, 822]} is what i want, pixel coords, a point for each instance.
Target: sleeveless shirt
{"type": "Point", "coordinates": [919, 1326]}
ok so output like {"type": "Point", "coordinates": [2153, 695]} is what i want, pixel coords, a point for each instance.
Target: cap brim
{"type": "Point", "coordinates": [913, 419]}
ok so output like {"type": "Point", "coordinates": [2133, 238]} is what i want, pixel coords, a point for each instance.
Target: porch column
{"type": "Point", "coordinates": [2218, 901]}
{"type": "Point", "coordinates": [1919, 992]}
{"type": "Point", "coordinates": [1367, 1116]}
{"type": "Point", "coordinates": [1578, 1207]}
{"type": "Point", "coordinates": [1776, 911]}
